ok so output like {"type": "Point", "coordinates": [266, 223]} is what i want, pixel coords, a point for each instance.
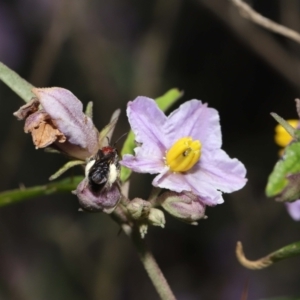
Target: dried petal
{"type": "Point", "coordinates": [42, 129]}
{"type": "Point", "coordinates": [29, 108]}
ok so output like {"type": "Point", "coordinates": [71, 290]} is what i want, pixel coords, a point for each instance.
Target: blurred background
{"type": "Point", "coordinates": [110, 52]}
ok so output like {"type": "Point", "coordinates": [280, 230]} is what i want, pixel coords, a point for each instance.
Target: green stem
{"type": "Point", "coordinates": [156, 276]}
{"type": "Point", "coordinates": [19, 85]}
{"type": "Point", "coordinates": [63, 186]}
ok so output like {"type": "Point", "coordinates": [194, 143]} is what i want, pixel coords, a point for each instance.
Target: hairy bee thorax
{"type": "Point", "coordinates": [103, 170]}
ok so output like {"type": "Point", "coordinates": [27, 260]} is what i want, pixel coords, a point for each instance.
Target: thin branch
{"type": "Point", "coordinates": [247, 12]}
{"type": "Point", "coordinates": [63, 186]}
{"type": "Point", "coordinates": [251, 264]}
{"type": "Point", "coordinates": [259, 41]}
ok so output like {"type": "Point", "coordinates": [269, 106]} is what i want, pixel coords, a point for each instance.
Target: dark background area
{"type": "Point", "coordinates": [110, 52]}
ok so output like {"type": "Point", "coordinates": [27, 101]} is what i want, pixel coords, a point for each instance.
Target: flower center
{"type": "Point", "coordinates": [183, 155]}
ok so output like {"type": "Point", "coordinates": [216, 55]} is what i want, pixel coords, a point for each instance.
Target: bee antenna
{"type": "Point", "coordinates": [115, 143]}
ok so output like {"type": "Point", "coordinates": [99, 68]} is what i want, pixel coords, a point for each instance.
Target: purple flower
{"type": "Point", "coordinates": [184, 149]}
{"type": "Point", "coordinates": [293, 209]}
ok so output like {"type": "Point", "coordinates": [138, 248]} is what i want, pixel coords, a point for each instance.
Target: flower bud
{"type": "Point", "coordinates": [93, 200]}
{"type": "Point", "coordinates": [156, 217]}
{"type": "Point", "coordinates": [143, 229]}
{"type": "Point", "coordinates": [184, 206]}
{"type": "Point", "coordinates": [60, 122]}
{"type": "Point", "coordinates": [139, 208]}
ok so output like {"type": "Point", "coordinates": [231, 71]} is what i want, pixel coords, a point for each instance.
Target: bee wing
{"type": "Point", "coordinates": [107, 132]}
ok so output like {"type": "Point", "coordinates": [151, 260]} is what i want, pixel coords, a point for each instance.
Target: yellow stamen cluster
{"type": "Point", "coordinates": [282, 138]}
{"type": "Point", "coordinates": [183, 155]}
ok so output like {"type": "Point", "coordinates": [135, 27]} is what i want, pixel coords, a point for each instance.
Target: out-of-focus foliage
{"type": "Point", "coordinates": [283, 179]}
{"type": "Point", "coordinates": [110, 52]}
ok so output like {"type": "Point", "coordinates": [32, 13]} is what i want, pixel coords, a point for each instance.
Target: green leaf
{"type": "Point", "coordinates": [164, 102]}
{"type": "Point", "coordinates": [17, 195]}
{"type": "Point", "coordinates": [288, 165]}
{"type": "Point", "coordinates": [19, 85]}
{"type": "Point", "coordinates": [128, 147]}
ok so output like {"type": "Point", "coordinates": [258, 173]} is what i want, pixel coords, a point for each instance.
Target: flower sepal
{"type": "Point", "coordinates": [157, 217]}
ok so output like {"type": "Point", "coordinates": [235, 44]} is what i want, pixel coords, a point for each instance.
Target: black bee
{"type": "Point", "coordinates": [103, 171]}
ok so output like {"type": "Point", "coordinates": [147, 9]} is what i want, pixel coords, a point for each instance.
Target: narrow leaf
{"type": "Point", "coordinates": [289, 129]}
{"type": "Point", "coordinates": [18, 195]}
{"type": "Point", "coordinates": [66, 167]}
{"type": "Point", "coordinates": [108, 130]}
{"type": "Point", "coordinates": [89, 109]}
{"type": "Point", "coordinates": [19, 85]}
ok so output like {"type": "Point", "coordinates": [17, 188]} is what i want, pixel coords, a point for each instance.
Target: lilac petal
{"type": "Point", "coordinates": [171, 181]}
{"type": "Point", "coordinates": [219, 170]}
{"type": "Point", "coordinates": [140, 164]}
{"type": "Point", "coordinates": [208, 193]}
{"type": "Point", "coordinates": [66, 111]}
{"type": "Point", "coordinates": [196, 120]}
{"type": "Point", "coordinates": [179, 182]}
{"type": "Point", "coordinates": [293, 209]}
{"type": "Point", "coordinates": [146, 121]}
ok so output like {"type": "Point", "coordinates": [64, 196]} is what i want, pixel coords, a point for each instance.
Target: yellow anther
{"type": "Point", "coordinates": [282, 138]}
{"type": "Point", "coordinates": [183, 155]}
